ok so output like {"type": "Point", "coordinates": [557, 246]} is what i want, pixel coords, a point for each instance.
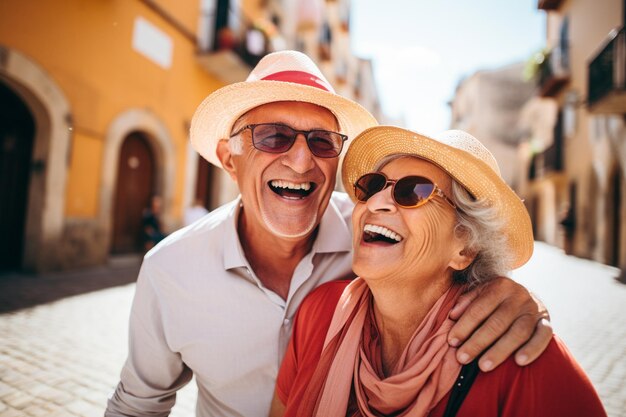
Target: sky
{"type": "Point", "coordinates": [421, 49]}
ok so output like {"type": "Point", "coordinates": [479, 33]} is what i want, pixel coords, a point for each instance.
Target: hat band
{"type": "Point", "coordinates": [300, 77]}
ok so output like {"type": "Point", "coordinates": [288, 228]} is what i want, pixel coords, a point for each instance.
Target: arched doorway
{"type": "Point", "coordinates": [44, 222]}
{"type": "Point", "coordinates": [613, 218]}
{"type": "Point", "coordinates": [17, 132]}
{"type": "Point", "coordinates": [204, 193]}
{"type": "Point", "coordinates": [153, 130]}
{"type": "Point", "coordinates": [134, 186]}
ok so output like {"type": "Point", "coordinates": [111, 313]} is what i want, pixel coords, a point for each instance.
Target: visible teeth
{"type": "Point", "coordinates": [382, 231]}
{"type": "Point", "coordinates": [306, 186]}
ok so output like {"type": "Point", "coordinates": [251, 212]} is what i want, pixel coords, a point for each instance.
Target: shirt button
{"type": "Point", "coordinates": [286, 322]}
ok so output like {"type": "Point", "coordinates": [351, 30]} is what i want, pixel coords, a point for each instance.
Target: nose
{"type": "Point", "coordinates": [299, 158]}
{"type": "Point", "coordinates": [382, 201]}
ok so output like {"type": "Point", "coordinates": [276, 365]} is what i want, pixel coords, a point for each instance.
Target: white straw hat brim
{"type": "Point", "coordinates": [215, 116]}
{"type": "Point", "coordinates": [480, 179]}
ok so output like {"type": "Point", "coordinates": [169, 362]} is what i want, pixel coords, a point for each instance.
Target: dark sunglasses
{"type": "Point", "coordinates": [407, 192]}
{"type": "Point", "coordinates": [278, 138]}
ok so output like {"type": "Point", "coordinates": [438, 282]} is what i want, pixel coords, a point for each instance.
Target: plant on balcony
{"type": "Point", "coordinates": [536, 63]}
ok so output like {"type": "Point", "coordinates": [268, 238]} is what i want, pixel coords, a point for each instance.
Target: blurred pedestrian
{"type": "Point", "coordinates": [151, 223]}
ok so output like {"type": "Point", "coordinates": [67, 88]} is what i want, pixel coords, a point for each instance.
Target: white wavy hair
{"type": "Point", "coordinates": [482, 228]}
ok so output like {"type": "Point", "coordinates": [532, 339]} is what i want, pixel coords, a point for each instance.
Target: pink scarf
{"type": "Point", "coordinates": [351, 362]}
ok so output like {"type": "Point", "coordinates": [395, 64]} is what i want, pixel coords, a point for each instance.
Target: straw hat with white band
{"type": "Point", "coordinates": [461, 156]}
{"type": "Point", "coordinates": [279, 76]}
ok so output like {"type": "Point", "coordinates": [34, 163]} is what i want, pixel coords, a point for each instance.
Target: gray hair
{"type": "Point", "coordinates": [235, 143]}
{"type": "Point", "coordinates": [483, 230]}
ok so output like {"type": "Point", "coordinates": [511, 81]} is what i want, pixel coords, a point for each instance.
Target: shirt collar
{"type": "Point", "coordinates": [233, 252]}
{"type": "Point", "coordinates": [334, 235]}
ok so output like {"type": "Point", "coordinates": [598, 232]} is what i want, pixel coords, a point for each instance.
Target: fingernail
{"type": "Point", "coordinates": [486, 365]}
{"type": "Point", "coordinates": [522, 359]}
{"type": "Point", "coordinates": [464, 358]}
{"type": "Point", "coordinates": [454, 342]}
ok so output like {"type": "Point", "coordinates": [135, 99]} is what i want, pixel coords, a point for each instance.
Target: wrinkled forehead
{"type": "Point", "coordinates": [280, 111]}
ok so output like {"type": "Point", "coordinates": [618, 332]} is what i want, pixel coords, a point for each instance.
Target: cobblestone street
{"type": "Point", "coordinates": [587, 308]}
{"type": "Point", "coordinates": [63, 358]}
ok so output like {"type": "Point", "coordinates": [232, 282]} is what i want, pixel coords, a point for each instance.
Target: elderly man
{"type": "Point", "coordinates": [216, 299]}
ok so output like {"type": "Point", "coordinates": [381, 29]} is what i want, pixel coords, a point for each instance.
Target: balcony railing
{"type": "Point", "coordinates": [607, 76]}
{"type": "Point", "coordinates": [232, 44]}
{"type": "Point", "coordinates": [551, 160]}
{"type": "Point", "coordinates": [554, 73]}
{"type": "Point", "coordinates": [549, 4]}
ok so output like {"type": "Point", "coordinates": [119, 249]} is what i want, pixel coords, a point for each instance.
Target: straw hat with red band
{"type": "Point", "coordinates": [279, 76]}
{"type": "Point", "coordinates": [461, 156]}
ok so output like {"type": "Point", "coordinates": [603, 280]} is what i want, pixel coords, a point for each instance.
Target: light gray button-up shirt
{"type": "Point", "coordinates": [199, 308]}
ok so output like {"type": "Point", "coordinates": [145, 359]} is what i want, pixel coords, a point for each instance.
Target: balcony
{"type": "Point", "coordinates": [554, 73]}
{"type": "Point", "coordinates": [606, 87]}
{"type": "Point", "coordinates": [549, 4]}
{"type": "Point", "coordinates": [551, 159]}
{"type": "Point", "coordinates": [230, 45]}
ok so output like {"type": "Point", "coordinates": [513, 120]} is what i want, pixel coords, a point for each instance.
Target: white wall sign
{"type": "Point", "coordinates": [153, 43]}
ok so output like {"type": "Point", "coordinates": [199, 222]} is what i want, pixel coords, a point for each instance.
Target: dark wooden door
{"type": "Point", "coordinates": [203, 183]}
{"type": "Point", "coordinates": [17, 131]}
{"type": "Point", "coordinates": [135, 186]}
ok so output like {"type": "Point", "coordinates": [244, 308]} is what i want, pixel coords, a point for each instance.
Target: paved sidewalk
{"type": "Point", "coordinates": [588, 311]}
{"type": "Point", "coordinates": [22, 290]}
{"type": "Point", "coordinates": [63, 358]}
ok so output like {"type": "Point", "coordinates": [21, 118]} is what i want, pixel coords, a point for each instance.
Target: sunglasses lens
{"type": "Point", "coordinates": [272, 138]}
{"type": "Point", "coordinates": [276, 138]}
{"type": "Point", "coordinates": [412, 191]}
{"type": "Point", "coordinates": [368, 185]}
{"type": "Point", "coordinates": [325, 144]}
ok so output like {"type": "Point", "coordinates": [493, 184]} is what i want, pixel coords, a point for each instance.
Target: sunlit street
{"type": "Point", "coordinates": [63, 358]}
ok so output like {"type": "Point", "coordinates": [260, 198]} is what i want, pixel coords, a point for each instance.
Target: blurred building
{"type": "Point", "coordinates": [575, 146]}
{"type": "Point", "coordinates": [96, 98]}
{"type": "Point", "coordinates": [322, 30]}
{"type": "Point", "coordinates": [488, 105]}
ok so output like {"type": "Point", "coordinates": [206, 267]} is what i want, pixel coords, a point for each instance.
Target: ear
{"type": "Point", "coordinates": [461, 260]}
{"type": "Point", "coordinates": [226, 158]}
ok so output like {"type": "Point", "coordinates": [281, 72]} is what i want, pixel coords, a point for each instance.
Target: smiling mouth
{"type": "Point", "coordinates": [292, 190]}
{"type": "Point", "coordinates": [374, 233]}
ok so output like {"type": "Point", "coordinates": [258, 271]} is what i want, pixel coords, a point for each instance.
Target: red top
{"type": "Point", "coordinates": [554, 385]}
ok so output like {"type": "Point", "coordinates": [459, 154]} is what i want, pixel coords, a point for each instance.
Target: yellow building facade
{"type": "Point", "coordinates": [99, 80]}
{"type": "Point", "coordinates": [96, 98]}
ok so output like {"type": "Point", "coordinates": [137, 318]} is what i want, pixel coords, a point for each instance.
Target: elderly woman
{"type": "Point", "coordinates": [433, 218]}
